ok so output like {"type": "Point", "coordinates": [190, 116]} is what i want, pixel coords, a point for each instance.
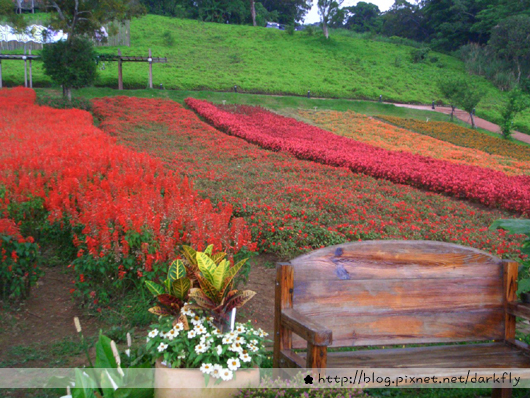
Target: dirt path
{"type": "Point", "coordinates": [464, 116]}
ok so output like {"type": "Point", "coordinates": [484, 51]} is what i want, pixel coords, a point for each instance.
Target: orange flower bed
{"type": "Point", "coordinates": [462, 136]}
{"type": "Point", "coordinates": [374, 132]}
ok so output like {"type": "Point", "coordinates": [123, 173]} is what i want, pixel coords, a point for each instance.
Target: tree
{"type": "Point", "coordinates": [461, 93]}
{"type": "Point", "coordinates": [253, 12]}
{"type": "Point", "coordinates": [327, 9]}
{"type": "Point", "coordinates": [88, 17]}
{"type": "Point", "coordinates": [510, 41]}
{"type": "Point", "coordinates": [362, 17]}
{"type": "Point", "coordinates": [288, 10]}
{"type": "Point", "coordinates": [70, 63]}
{"type": "Point", "coordinates": [404, 20]}
{"type": "Point", "coordinates": [517, 103]}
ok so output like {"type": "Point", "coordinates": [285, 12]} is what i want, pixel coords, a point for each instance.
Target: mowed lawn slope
{"type": "Point", "coordinates": [216, 57]}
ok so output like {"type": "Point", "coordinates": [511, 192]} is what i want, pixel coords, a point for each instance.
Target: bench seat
{"type": "Point", "coordinates": [490, 355]}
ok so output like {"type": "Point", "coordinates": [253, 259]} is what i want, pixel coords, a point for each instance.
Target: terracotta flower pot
{"type": "Point", "coordinates": [189, 383]}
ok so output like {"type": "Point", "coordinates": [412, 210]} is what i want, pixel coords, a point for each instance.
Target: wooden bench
{"type": "Point", "coordinates": [381, 293]}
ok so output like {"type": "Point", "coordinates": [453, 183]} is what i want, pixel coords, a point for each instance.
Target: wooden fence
{"type": "Point", "coordinates": [121, 38]}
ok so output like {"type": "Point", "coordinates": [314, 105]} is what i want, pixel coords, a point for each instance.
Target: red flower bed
{"type": "Point", "coordinates": [126, 206]}
{"type": "Point", "coordinates": [294, 205]}
{"type": "Point", "coordinates": [279, 133]}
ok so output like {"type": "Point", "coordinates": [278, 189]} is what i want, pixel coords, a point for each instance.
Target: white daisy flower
{"type": "Point", "coordinates": [192, 334]}
{"type": "Point", "coordinates": [233, 364]}
{"type": "Point", "coordinates": [206, 368]}
{"type": "Point", "coordinates": [200, 329]}
{"type": "Point", "coordinates": [262, 333]}
{"type": "Point", "coordinates": [153, 333]}
{"type": "Point", "coordinates": [196, 320]}
{"type": "Point", "coordinates": [172, 334]}
{"type": "Point", "coordinates": [239, 340]}
{"type": "Point", "coordinates": [182, 355]}
{"type": "Point", "coordinates": [216, 371]}
{"type": "Point", "coordinates": [255, 333]}
{"type": "Point", "coordinates": [219, 350]}
{"type": "Point", "coordinates": [179, 326]}
{"type": "Point", "coordinates": [255, 342]}
{"type": "Point", "coordinates": [226, 374]}
{"type": "Point", "coordinates": [216, 332]}
{"type": "Point", "coordinates": [232, 335]}
{"type": "Point", "coordinates": [236, 347]}
{"type": "Point", "coordinates": [241, 329]}
{"type": "Point", "coordinates": [253, 348]}
{"type": "Point", "coordinates": [245, 357]}
{"type": "Point", "coordinates": [162, 347]}
{"type": "Point", "coordinates": [201, 348]}
{"type": "Point", "coordinates": [186, 311]}
{"type": "Point", "coordinates": [227, 340]}
{"type": "Point", "coordinates": [209, 318]}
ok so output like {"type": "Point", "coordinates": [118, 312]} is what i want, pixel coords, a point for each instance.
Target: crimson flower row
{"type": "Point", "coordinates": [275, 132]}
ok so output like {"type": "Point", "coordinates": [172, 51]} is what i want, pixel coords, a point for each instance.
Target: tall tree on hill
{"type": "Point", "coordinates": [510, 41]}
{"type": "Point", "coordinates": [288, 10]}
{"type": "Point", "coordinates": [253, 12]}
{"type": "Point", "coordinates": [327, 9]}
{"type": "Point", "coordinates": [405, 19]}
{"type": "Point", "coordinates": [362, 17]}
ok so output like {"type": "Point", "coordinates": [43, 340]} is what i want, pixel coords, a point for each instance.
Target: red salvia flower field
{"type": "Point", "coordinates": [295, 205]}
{"type": "Point", "coordinates": [279, 133]}
{"type": "Point", "coordinates": [85, 179]}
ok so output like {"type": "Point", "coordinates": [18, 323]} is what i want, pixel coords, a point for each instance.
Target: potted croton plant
{"type": "Point", "coordinates": [197, 342]}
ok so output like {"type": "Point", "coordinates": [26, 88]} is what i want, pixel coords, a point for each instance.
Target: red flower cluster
{"type": "Point", "coordinates": [271, 131]}
{"type": "Point", "coordinates": [295, 205]}
{"type": "Point", "coordinates": [111, 191]}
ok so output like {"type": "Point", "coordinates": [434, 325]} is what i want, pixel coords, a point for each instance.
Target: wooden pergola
{"type": "Point", "coordinates": [128, 58]}
{"type": "Point", "coordinates": [24, 57]}
{"type": "Point", "coordinates": [119, 58]}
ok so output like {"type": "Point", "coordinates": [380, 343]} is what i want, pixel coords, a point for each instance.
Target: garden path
{"type": "Point", "coordinates": [464, 116]}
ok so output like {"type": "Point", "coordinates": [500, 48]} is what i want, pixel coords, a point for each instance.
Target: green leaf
{"type": "Point", "coordinates": [181, 287]}
{"type": "Point", "coordinates": [84, 386]}
{"type": "Point", "coordinates": [206, 380]}
{"type": "Point", "coordinates": [219, 274]}
{"type": "Point", "coordinates": [209, 250]}
{"type": "Point", "coordinates": [154, 288]}
{"type": "Point", "coordinates": [514, 226]}
{"type": "Point", "coordinates": [176, 270]}
{"type": "Point", "coordinates": [104, 355]}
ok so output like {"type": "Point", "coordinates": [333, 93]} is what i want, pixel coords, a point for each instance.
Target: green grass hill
{"type": "Point", "coordinates": [209, 56]}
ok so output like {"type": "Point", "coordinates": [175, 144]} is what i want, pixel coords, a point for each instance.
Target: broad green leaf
{"type": "Point", "coordinates": [176, 270]}
{"type": "Point", "coordinates": [207, 288]}
{"type": "Point", "coordinates": [181, 287]}
{"type": "Point", "coordinates": [104, 356]}
{"type": "Point", "coordinates": [167, 285]}
{"type": "Point", "coordinates": [230, 275]}
{"type": "Point", "coordinates": [218, 257]}
{"type": "Point", "coordinates": [205, 262]}
{"type": "Point", "coordinates": [190, 254]}
{"type": "Point", "coordinates": [219, 274]}
{"type": "Point", "coordinates": [209, 250]}
{"type": "Point", "coordinates": [515, 226]}
{"type": "Point", "coordinates": [154, 288]}
{"type": "Point", "coordinates": [84, 385]}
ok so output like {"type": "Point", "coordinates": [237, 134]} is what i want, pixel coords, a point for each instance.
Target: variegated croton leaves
{"type": "Point", "coordinates": [202, 279]}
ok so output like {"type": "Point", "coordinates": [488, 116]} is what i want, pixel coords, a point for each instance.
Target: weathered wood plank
{"type": "Point", "coordinates": [501, 393]}
{"type": "Point", "coordinates": [367, 330]}
{"type": "Point", "coordinates": [519, 309]}
{"type": "Point", "coordinates": [306, 328]}
{"type": "Point", "coordinates": [492, 355]}
{"type": "Point", "coordinates": [316, 356]}
{"type": "Point", "coordinates": [283, 300]}
{"type": "Point", "coordinates": [290, 359]}
{"type": "Point", "coordinates": [360, 296]}
{"type": "Point", "coordinates": [510, 295]}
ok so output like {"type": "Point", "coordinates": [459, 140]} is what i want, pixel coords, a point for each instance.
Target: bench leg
{"type": "Point", "coordinates": [501, 393]}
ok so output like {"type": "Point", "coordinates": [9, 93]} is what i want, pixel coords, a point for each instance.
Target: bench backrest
{"type": "Point", "coordinates": [401, 292]}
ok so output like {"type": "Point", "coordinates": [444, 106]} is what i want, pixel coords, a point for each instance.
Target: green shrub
{"type": "Point", "coordinates": [168, 39]}
{"type": "Point", "coordinates": [63, 103]}
{"type": "Point", "coordinates": [289, 29]}
{"type": "Point", "coordinates": [420, 54]}
{"type": "Point", "coordinates": [19, 262]}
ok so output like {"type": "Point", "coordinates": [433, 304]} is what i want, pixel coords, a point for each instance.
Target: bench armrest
{"type": "Point", "coordinates": [309, 330]}
{"type": "Point", "coordinates": [519, 309]}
